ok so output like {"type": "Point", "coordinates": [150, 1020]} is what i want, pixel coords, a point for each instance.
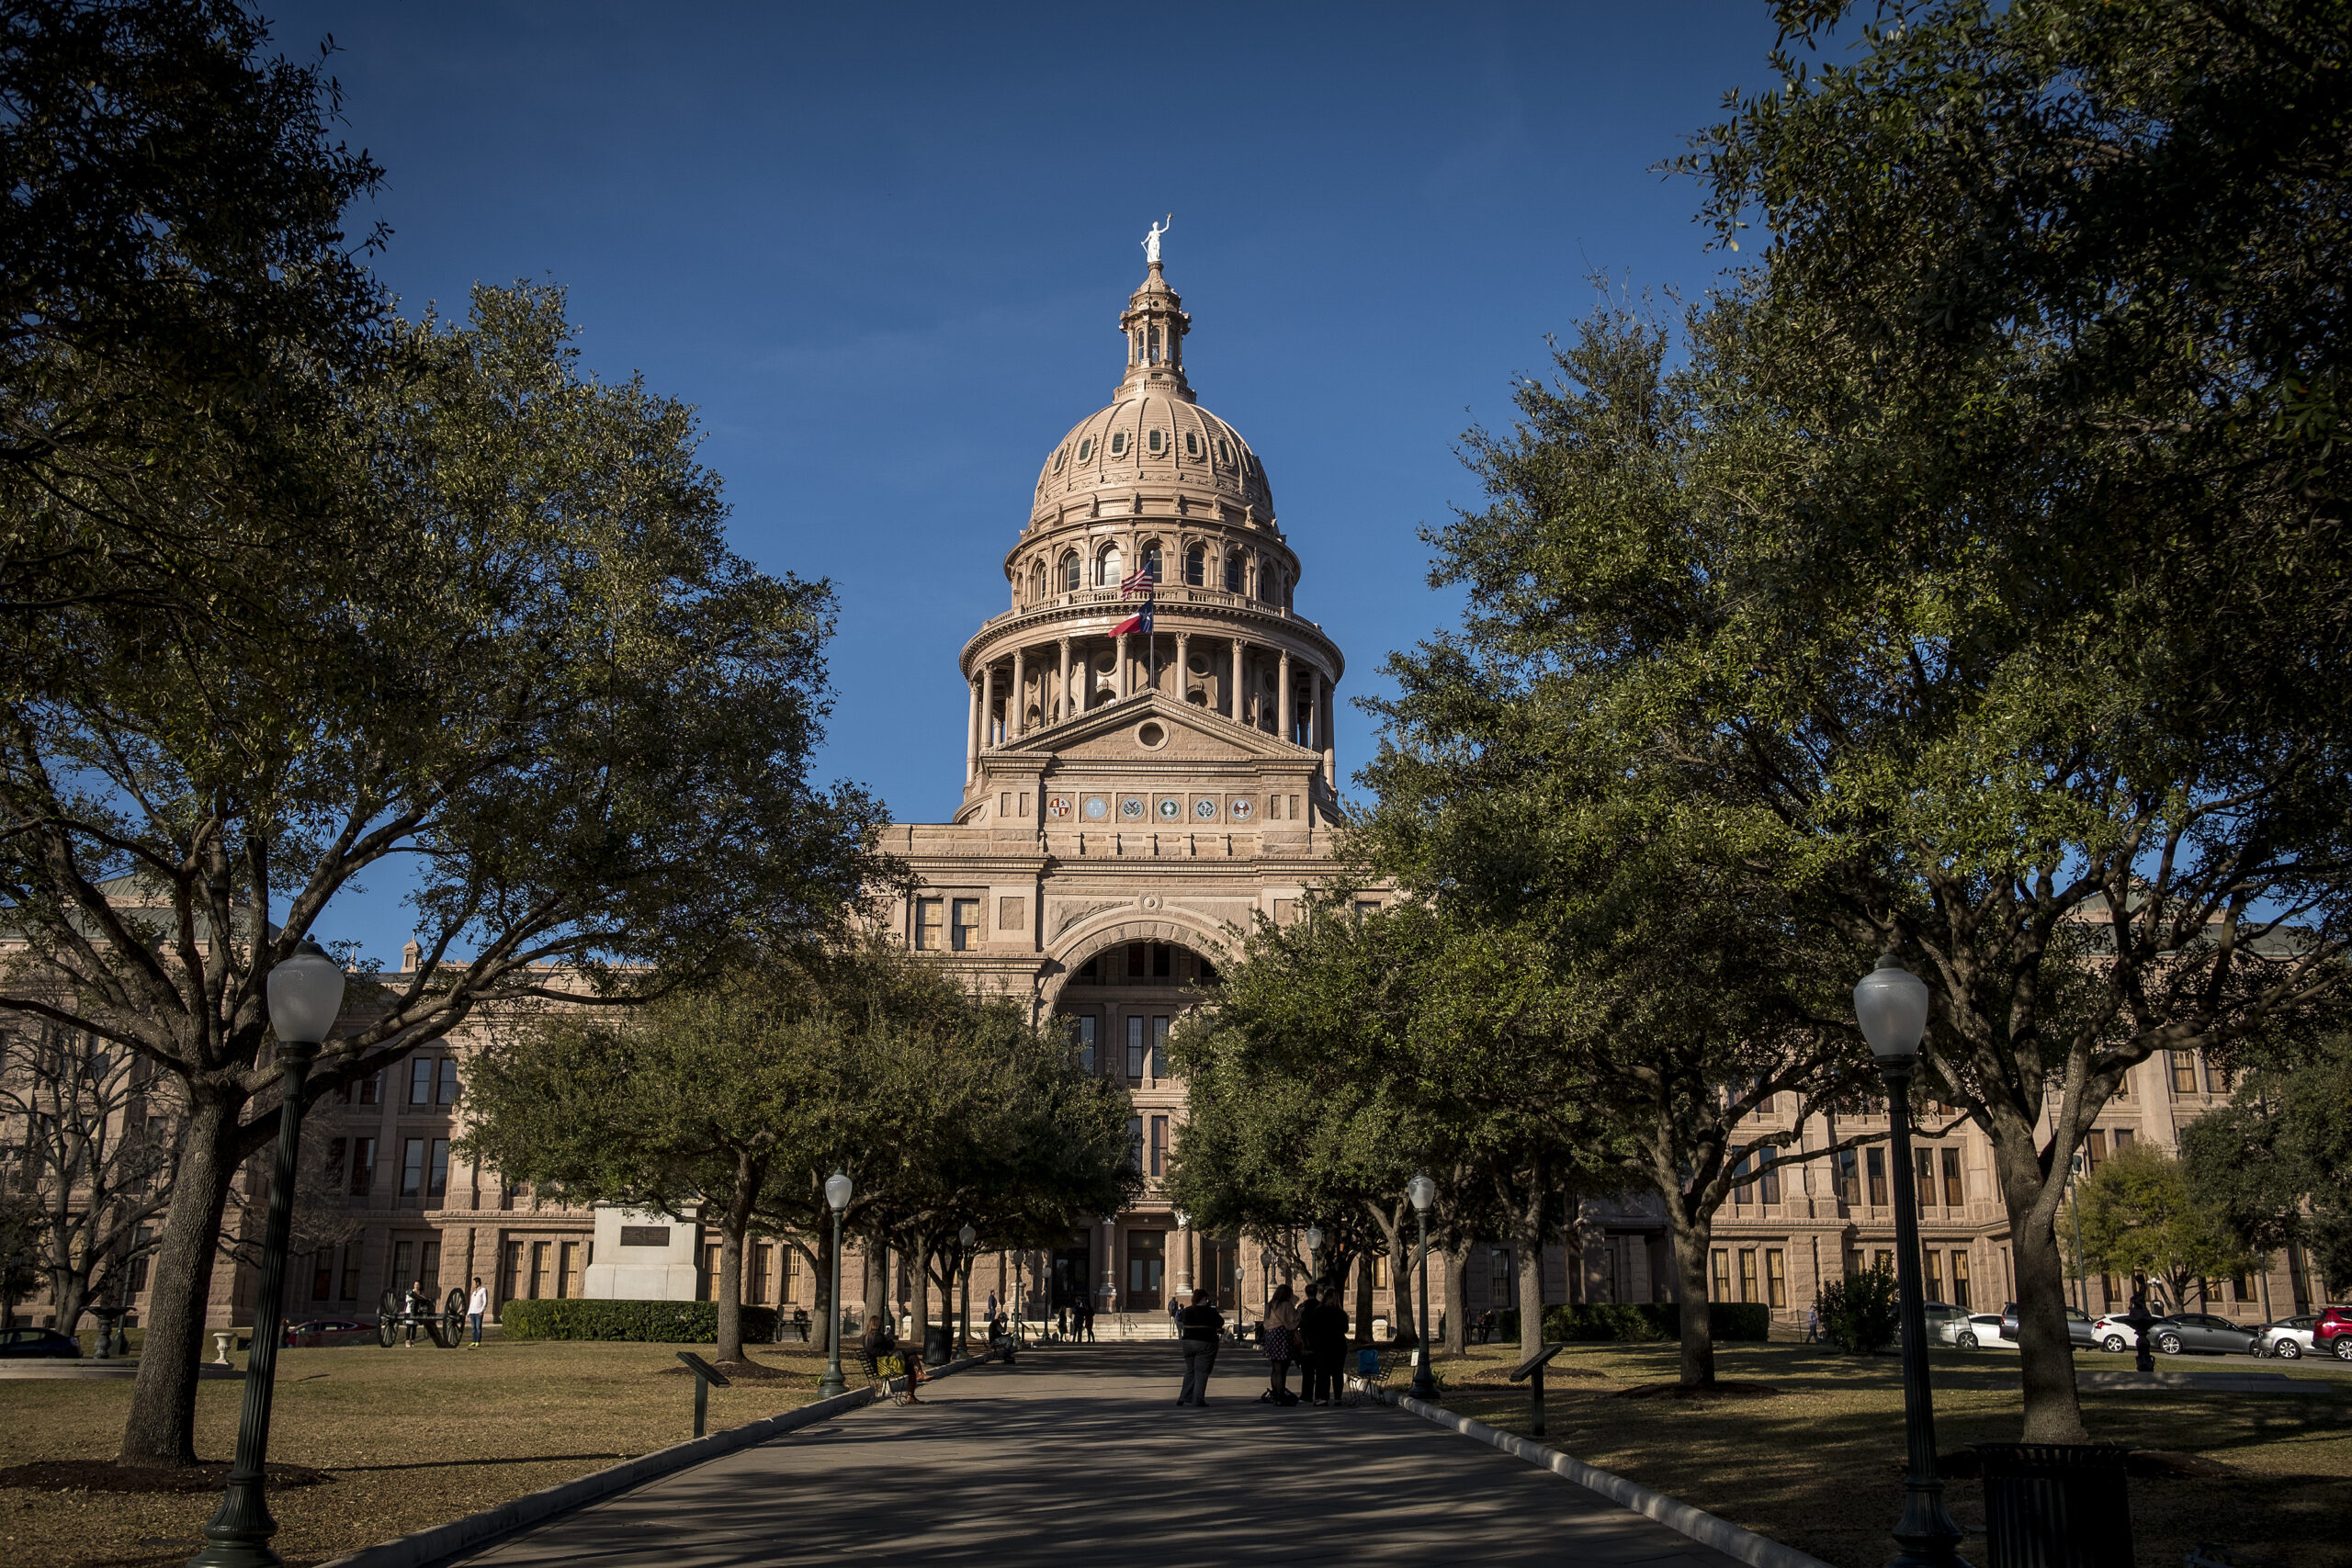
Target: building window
{"type": "Point", "coordinates": [1955, 1192]}
{"type": "Point", "coordinates": [1192, 444]}
{"type": "Point", "coordinates": [439, 1182]}
{"type": "Point", "coordinates": [1159, 1145]}
{"type": "Point", "coordinates": [1085, 449]}
{"type": "Point", "coordinates": [1741, 1188]}
{"type": "Point", "coordinates": [2094, 1152]}
{"type": "Point", "coordinates": [1138, 954]}
{"type": "Point", "coordinates": [1925, 1160]}
{"type": "Point", "coordinates": [1071, 573]}
{"type": "Point", "coordinates": [1767, 1185]}
{"type": "Point", "coordinates": [401, 1252]}
{"type": "Point", "coordinates": [1059, 459]}
{"type": "Point", "coordinates": [371, 1088]}
{"type": "Point", "coordinates": [1876, 1161]}
{"type": "Point", "coordinates": [1135, 1142]}
{"type": "Point", "coordinates": [541, 1281]}
{"type": "Point", "coordinates": [1960, 1280]}
{"type": "Point", "coordinates": [1933, 1260]}
{"type": "Point", "coordinates": [1380, 1271]}
{"type": "Point", "coordinates": [2123, 1136]}
{"type": "Point", "coordinates": [1196, 566]}
{"type": "Point", "coordinates": [1776, 1277]}
{"type": "Point", "coordinates": [413, 1167]}
{"type": "Point", "coordinates": [1748, 1273]}
{"type": "Point", "coordinates": [362, 1166]}
{"type": "Point", "coordinates": [930, 935]}
{"type": "Point", "coordinates": [445, 1090]}
{"type": "Point", "coordinates": [429, 1273]}
{"type": "Point", "coordinates": [1223, 452]}
{"type": "Point", "coordinates": [1118, 444]}
{"type": "Point", "coordinates": [964, 932]}
{"type": "Point", "coordinates": [1850, 1184]}
{"type": "Point", "coordinates": [350, 1274]}
{"type": "Point", "coordinates": [2184, 1071]}
{"type": "Point", "coordinates": [1233, 573]}
{"type": "Point", "coordinates": [336, 1148]}
{"type": "Point", "coordinates": [1082, 1035]}
{"type": "Point", "coordinates": [510, 1280]}
{"type": "Point", "coordinates": [1151, 561]}
{"type": "Point", "coordinates": [1162, 962]}
{"type": "Point", "coordinates": [1720, 1274]}
{"type": "Point", "coordinates": [1135, 1045]}
{"type": "Point", "coordinates": [420, 1082]}
{"type": "Point", "coordinates": [142, 1241]}
{"type": "Point", "coordinates": [1159, 1049]}
{"type": "Point", "coordinates": [1154, 441]}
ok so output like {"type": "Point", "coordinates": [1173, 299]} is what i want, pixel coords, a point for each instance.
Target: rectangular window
{"type": "Point", "coordinates": [510, 1283]}
{"type": "Point", "coordinates": [788, 1260]}
{"type": "Point", "coordinates": [1876, 1161]}
{"type": "Point", "coordinates": [1768, 1186]}
{"type": "Point", "coordinates": [1849, 1183]}
{"type": "Point", "coordinates": [413, 1167]}
{"type": "Point", "coordinates": [1135, 1142]}
{"type": "Point", "coordinates": [2123, 1138]}
{"type": "Point", "coordinates": [420, 1082]}
{"type": "Point", "coordinates": [1882, 1257]}
{"type": "Point", "coordinates": [1380, 1271]}
{"type": "Point", "coordinates": [2184, 1071]}
{"type": "Point", "coordinates": [1933, 1270]}
{"type": "Point", "coordinates": [323, 1274]}
{"type": "Point", "coordinates": [401, 1252]}
{"type": "Point", "coordinates": [1719, 1274]}
{"type": "Point", "coordinates": [566, 1275]}
{"type": "Point", "coordinates": [1960, 1280]}
{"type": "Point", "coordinates": [1159, 1047]}
{"type": "Point", "coordinates": [371, 1088]}
{"type": "Point", "coordinates": [428, 1272]}
{"type": "Point", "coordinates": [755, 1289]}
{"type": "Point", "coordinates": [438, 1184]}
{"type": "Point", "coordinates": [1137, 953]}
{"type": "Point", "coordinates": [930, 933]}
{"type": "Point", "coordinates": [144, 1239]}
{"type": "Point", "coordinates": [1776, 1277]}
{"type": "Point", "coordinates": [1742, 1191]}
{"type": "Point", "coordinates": [1082, 1032]}
{"type": "Point", "coordinates": [1162, 961]}
{"type": "Point", "coordinates": [963, 931]}
{"type": "Point", "coordinates": [2094, 1151]}
{"type": "Point", "coordinates": [446, 1091]}
{"type": "Point", "coordinates": [1926, 1178]}
{"type": "Point", "coordinates": [1135, 1046]}
{"type": "Point", "coordinates": [1748, 1273]}
{"type": "Point", "coordinates": [1159, 1145]}
{"type": "Point", "coordinates": [1955, 1192]}
{"type": "Point", "coordinates": [541, 1283]}
{"type": "Point", "coordinates": [350, 1274]}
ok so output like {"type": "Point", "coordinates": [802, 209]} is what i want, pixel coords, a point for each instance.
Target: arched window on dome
{"type": "Point", "coordinates": [1192, 443]}
{"type": "Point", "coordinates": [1037, 582]}
{"type": "Point", "coordinates": [1118, 443]}
{"type": "Point", "coordinates": [1223, 452]}
{"type": "Point", "coordinates": [1151, 561]}
{"type": "Point", "coordinates": [1197, 565]}
{"type": "Point", "coordinates": [1154, 441]}
{"type": "Point", "coordinates": [1106, 568]}
{"type": "Point", "coordinates": [1072, 572]}
{"type": "Point", "coordinates": [1233, 572]}
{"type": "Point", "coordinates": [1154, 339]}
{"type": "Point", "coordinates": [1059, 459]}
{"type": "Point", "coordinates": [1085, 449]}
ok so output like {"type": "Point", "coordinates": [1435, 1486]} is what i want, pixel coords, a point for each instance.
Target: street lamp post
{"type": "Point", "coordinates": [965, 1238]}
{"type": "Point", "coordinates": [305, 996]}
{"type": "Point", "coordinates": [838, 1191]}
{"type": "Point", "coordinates": [1314, 1246]}
{"type": "Point", "coordinates": [1891, 1004]}
{"type": "Point", "coordinates": [1422, 1192]}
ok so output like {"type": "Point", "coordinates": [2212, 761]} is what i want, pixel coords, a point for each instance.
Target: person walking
{"type": "Point", "coordinates": [1061, 1321]}
{"type": "Point", "coordinates": [1086, 1320]}
{"type": "Point", "coordinates": [1281, 1326]}
{"type": "Point", "coordinates": [415, 1309]}
{"type": "Point", "coordinates": [1327, 1339]}
{"type": "Point", "coordinates": [1812, 1325]}
{"type": "Point", "coordinates": [477, 1308]}
{"type": "Point", "coordinates": [1197, 1329]}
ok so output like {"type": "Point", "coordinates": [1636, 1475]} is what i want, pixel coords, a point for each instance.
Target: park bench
{"type": "Point", "coordinates": [888, 1375]}
{"type": "Point", "coordinates": [1377, 1370]}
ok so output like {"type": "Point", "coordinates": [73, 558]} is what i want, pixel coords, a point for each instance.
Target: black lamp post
{"type": "Point", "coordinates": [965, 1239]}
{"type": "Point", "coordinates": [1422, 1193]}
{"type": "Point", "coordinates": [1314, 1239]}
{"type": "Point", "coordinates": [838, 1189]}
{"type": "Point", "coordinates": [305, 996]}
{"type": "Point", "coordinates": [1891, 1003]}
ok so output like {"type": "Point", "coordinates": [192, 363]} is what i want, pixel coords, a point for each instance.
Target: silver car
{"type": "Point", "coordinates": [2180, 1333]}
{"type": "Point", "coordinates": [2289, 1338]}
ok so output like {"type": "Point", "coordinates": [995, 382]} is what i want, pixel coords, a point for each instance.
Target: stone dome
{"type": "Point", "coordinates": [1154, 433]}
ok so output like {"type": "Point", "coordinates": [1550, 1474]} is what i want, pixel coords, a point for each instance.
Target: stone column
{"type": "Point", "coordinates": [1061, 694]}
{"type": "Point", "coordinates": [972, 735]}
{"type": "Point", "coordinates": [1325, 708]}
{"type": "Point", "coordinates": [1315, 706]}
{"type": "Point", "coordinates": [988, 707]}
{"type": "Point", "coordinates": [1016, 708]}
{"type": "Point", "coordinates": [1183, 664]}
{"type": "Point", "coordinates": [1183, 1264]}
{"type": "Point", "coordinates": [1235, 704]}
{"type": "Point", "coordinates": [1123, 678]}
{"type": "Point", "coordinates": [1282, 699]}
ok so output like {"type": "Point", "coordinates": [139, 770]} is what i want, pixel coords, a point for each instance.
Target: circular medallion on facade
{"type": "Point", "coordinates": [1170, 810]}
{"type": "Point", "coordinates": [1242, 810]}
{"type": "Point", "coordinates": [1151, 737]}
{"type": "Point", "coordinates": [1131, 809]}
{"type": "Point", "coordinates": [1204, 810]}
{"type": "Point", "coordinates": [1097, 808]}
{"type": "Point", "coordinates": [1151, 900]}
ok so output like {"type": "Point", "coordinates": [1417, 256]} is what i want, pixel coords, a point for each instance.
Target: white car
{"type": "Point", "coordinates": [2289, 1338]}
{"type": "Point", "coordinates": [1987, 1324]}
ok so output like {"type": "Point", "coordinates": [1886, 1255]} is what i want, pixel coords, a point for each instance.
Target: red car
{"type": "Point", "coordinates": [2332, 1335]}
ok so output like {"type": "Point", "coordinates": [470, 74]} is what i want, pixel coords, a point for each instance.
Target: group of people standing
{"type": "Point", "coordinates": [1075, 1321]}
{"type": "Point", "coordinates": [1312, 1332]}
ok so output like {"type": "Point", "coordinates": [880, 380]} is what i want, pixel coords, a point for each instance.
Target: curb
{"type": "Point", "coordinates": [438, 1543]}
{"type": "Point", "coordinates": [1731, 1539]}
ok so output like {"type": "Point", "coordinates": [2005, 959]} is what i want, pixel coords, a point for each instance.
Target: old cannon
{"type": "Point", "coordinates": [446, 1325]}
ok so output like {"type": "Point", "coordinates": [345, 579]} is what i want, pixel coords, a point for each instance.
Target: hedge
{"type": "Point", "coordinates": [661, 1323]}
{"type": "Point", "coordinates": [1651, 1321]}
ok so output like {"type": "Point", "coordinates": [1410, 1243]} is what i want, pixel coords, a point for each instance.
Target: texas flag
{"type": "Point", "coordinates": [1138, 622]}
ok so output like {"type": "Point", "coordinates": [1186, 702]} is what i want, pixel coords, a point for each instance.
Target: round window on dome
{"type": "Point", "coordinates": [1085, 449]}
{"type": "Point", "coordinates": [1118, 443]}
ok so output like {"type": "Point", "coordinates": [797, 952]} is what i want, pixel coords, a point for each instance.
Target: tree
{"type": "Point", "coordinates": [2031, 453]}
{"type": "Point", "coordinates": [2141, 1218]}
{"type": "Point", "coordinates": [546, 684]}
{"type": "Point", "coordinates": [2276, 1163]}
{"type": "Point", "coordinates": [21, 1219]}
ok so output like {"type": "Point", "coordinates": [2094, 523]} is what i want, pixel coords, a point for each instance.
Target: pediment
{"type": "Point", "coordinates": [1114, 733]}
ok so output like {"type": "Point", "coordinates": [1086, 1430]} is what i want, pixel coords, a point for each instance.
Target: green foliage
{"type": "Point", "coordinates": [1858, 1313]}
{"type": "Point", "coordinates": [660, 1323]}
{"type": "Point", "coordinates": [2140, 1217]}
{"type": "Point", "coordinates": [1645, 1322]}
{"type": "Point", "coordinates": [2277, 1161]}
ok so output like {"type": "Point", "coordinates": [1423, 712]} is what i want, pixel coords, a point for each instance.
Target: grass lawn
{"type": "Point", "coordinates": [408, 1438]}
{"type": "Point", "coordinates": [1818, 1465]}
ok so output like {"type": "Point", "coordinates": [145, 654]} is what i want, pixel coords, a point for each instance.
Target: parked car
{"type": "Point", "coordinates": [2289, 1339]}
{"type": "Point", "coordinates": [1987, 1325]}
{"type": "Point", "coordinates": [1948, 1324]}
{"type": "Point", "coordinates": [37, 1342]}
{"type": "Point", "coordinates": [2179, 1333]}
{"type": "Point", "coordinates": [2332, 1335]}
{"type": "Point", "coordinates": [2078, 1325]}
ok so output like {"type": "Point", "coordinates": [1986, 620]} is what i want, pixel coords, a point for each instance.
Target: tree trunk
{"type": "Point", "coordinates": [876, 1300]}
{"type": "Point", "coordinates": [2054, 1413]}
{"type": "Point", "coordinates": [1692, 1237]}
{"type": "Point", "coordinates": [1456, 1336]}
{"type": "Point", "coordinates": [1363, 1301]}
{"type": "Point", "coordinates": [734, 1226]}
{"type": "Point", "coordinates": [161, 1431]}
{"type": "Point", "coordinates": [1527, 1242]}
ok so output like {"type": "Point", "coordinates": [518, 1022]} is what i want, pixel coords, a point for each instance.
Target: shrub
{"type": "Point", "coordinates": [1648, 1321]}
{"type": "Point", "coordinates": [1858, 1312]}
{"type": "Point", "coordinates": [661, 1323]}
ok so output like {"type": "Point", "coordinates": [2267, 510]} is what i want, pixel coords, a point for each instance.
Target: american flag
{"type": "Point", "coordinates": [1140, 582]}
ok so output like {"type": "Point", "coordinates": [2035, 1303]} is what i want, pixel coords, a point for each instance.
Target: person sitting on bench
{"type": "Point", "coordinates": [879, 1341]}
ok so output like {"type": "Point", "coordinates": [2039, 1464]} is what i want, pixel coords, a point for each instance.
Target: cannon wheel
{"type": "Point", "coordinates": [453, 1320]}
{"type": "Point", "coordinates": [388, 1317]}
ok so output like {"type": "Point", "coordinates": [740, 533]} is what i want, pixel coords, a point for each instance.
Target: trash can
{"type": "Point", "coordinates": [2056, 1505]}
{"type": "Point", "coordinates": [938, 1344]}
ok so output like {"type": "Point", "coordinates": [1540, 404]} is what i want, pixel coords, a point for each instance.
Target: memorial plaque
{"type": "Point", "coordinates": [645, 1235]}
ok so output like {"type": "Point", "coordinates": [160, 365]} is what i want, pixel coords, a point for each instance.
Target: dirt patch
{"type": "Point", "coordinates": [1718, 1390]}
{"type": "Point", "coordinates": [739, 1371]}
{"type": "Point", "coordinates": [105, 1475]}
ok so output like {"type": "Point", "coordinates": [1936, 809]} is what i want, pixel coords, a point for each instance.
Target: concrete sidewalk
{"type": "Point", "coordinates": [1080, 1456]}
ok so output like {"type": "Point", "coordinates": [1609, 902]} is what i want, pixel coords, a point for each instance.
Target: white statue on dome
{"type": "Point", "coordinates": [1151, 241]}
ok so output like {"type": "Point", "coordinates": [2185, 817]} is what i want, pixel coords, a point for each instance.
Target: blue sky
{"type": "Point", "coordinates": [883, 251]}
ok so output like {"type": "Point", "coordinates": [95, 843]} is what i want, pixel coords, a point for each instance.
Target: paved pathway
{"type": "Point", "coordinates": [1078, 1458]}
